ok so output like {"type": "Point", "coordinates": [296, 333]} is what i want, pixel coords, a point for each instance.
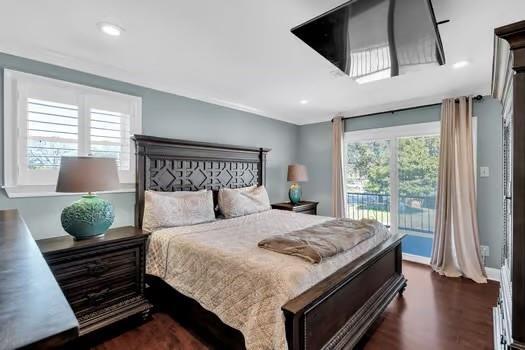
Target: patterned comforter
{"type": "Point", "coordinates": [219, 265]}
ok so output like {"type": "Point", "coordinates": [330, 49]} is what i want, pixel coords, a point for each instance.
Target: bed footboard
{"type": "Point", "coordinates": [336, 312]}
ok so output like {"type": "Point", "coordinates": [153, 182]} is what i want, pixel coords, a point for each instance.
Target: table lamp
{"type": "Point", "coordinates": [89, 216]}
{"type": "Point", "coordinates": [296, 173]}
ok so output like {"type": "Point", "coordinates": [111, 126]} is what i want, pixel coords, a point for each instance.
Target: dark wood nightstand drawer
{"type": "Point", "coordinates": [309, 211]}
{"type": "Point", "coordinates": [90, 267]}
{"type": "Point", "coordinates": [106, 292]}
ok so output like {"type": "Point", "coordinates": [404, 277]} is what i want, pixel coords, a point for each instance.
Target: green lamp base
{"type": "Point", "coordinates": [295, 193]}
{"type": "Point", "coordinates": [88, 217]}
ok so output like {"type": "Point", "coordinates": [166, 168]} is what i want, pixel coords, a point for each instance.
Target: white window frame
{"type": "Point", "coordinates": [393, 133]}
{"type": "Point", "coordinates": [18, 86]}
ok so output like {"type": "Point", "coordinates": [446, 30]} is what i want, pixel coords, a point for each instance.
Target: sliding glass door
{"type": "Point", "coordinates": [417, 164]}
{"type": "Point", "coordinates": [367, 175]}
{"type": "Point", "coordinates": [391, 175]}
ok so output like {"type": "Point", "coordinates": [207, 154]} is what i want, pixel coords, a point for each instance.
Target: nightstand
{"type": "Point", "coordinates": [102, 278]}
{"type": "Point", "coordinates": [304, 207]}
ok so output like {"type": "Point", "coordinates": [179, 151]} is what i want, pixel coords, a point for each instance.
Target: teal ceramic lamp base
{"type": "Point", "coordinates": [295, 193]}
{"type": "Point", "coordinates": [88, 217]}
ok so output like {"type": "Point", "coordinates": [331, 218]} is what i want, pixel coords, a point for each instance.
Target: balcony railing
{"type": "Point", "coordinates": [416, 213]}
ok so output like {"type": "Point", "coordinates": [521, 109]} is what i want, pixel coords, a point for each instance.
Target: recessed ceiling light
{"type": "Point", "coordinates": [460, 64]}
{"type": "Point", "coordinates": [110, 29]}
{"type": "Point", "coordinates": [303, 102]}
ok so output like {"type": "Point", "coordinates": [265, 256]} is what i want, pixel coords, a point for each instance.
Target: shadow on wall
{"type": "Point", "coordinates": [315, 152]}
{"type": "Point", "coordinates": [276, 175]}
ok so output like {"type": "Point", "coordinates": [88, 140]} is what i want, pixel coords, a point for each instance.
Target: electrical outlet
{"type": "Point", "coordinates": [484, 250]}
{"type": "Point", "coordinates": [483, 171]}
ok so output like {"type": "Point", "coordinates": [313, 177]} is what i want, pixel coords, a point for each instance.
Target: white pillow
{"type": "Point", "coordinates": [170, 209]}
{"type": "Point", "coordinates": [243, 201]}
{"type": "Point", "coordinates": [220, 199]}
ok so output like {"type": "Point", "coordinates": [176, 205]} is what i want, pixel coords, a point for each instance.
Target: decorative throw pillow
{"type": "Point", "coordinates": [170, 209]}
{"type": "Point", "coordinates": [243, 201]}
{"type": "Point", "coordinates": [220, 199]}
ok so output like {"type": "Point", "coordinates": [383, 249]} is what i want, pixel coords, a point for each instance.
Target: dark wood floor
{"type": "Point", "coordinates": [434, 313]}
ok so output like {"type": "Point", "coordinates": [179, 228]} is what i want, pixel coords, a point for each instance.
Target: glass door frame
{"type": "Point", "coordinates": [393, 133]}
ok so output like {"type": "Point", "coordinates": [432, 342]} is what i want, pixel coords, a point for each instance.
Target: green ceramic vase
{"type": "Point", "coordinates": [88, 217]}
{"type": "Point", "coordinates": [295, 193]}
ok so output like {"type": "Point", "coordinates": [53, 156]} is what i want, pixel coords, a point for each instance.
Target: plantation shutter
{"type": "Point", "coordinates": [52, 118]}
{"type": "Point", "coordinates": [49, 127]}
{"type": "Point", "coordinates": [109, 135]}
{"type": "Point", "coordinates": [110, 126]}
{"type": "Point", "coordinates": [52, 132]}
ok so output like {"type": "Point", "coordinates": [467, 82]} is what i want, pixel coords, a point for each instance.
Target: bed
{"type": "Point", "coordinates": [214, 274]}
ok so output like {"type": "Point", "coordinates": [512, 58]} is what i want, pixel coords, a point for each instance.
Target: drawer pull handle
{"type": "Point", "coordinates": [96, 298]}
{"type": "Point", "coordinates": [97, 268]}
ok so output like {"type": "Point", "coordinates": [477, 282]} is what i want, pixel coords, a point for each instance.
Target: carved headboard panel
{"type": "Point", "coordinates": [170, 165]}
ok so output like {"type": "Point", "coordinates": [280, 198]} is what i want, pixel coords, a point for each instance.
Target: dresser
{"type": "Point", "coordinates": [304, 207]}
{"type": "Point", "coordinates": [102, 278]}
{"type": "Point", "coordinates": [33, 311]}
{"type": "Point", "coordinates": [509, 87]}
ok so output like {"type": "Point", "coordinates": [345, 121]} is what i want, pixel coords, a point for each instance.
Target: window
{"type": "Point", "coordinates": [391, 175]}
{"type": "Point", "coordinates": [45, 119]}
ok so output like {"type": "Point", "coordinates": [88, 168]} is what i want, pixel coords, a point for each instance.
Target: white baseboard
{"type": "Point", "coordinates": [492, 273]}
{"type": "Point", "coordinates": [416, 258]}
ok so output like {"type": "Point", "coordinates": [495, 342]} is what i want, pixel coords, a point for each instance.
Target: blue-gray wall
{"type": "Point", "coordinates": [314, 151]}
{"type": "Point", "coordinates": [174, 116]}
{"type": "Point", "coordinates": [163, 114]}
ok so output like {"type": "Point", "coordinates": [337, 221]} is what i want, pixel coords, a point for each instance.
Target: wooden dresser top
{"type": "Point", "coordinates": [33, 309]}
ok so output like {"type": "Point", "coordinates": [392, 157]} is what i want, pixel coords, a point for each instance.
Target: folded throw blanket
{"type": "Point", "coordinates": [323, 240]}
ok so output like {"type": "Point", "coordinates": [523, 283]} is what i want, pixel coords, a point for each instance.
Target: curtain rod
{"type": "Point", "coordinates": [475, 98]}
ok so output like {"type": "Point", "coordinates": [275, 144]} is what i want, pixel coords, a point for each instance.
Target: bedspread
{"type": "Point", "coordinates": [220, 266]}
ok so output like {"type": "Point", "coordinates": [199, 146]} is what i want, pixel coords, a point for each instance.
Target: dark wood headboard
{"type": "Point", "coordinates": [170, 165]}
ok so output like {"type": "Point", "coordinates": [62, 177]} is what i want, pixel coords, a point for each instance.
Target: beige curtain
{"type": "Point", "coordinates": [338, 195]}
{"type": "Point", "coordinates": [455, 250]}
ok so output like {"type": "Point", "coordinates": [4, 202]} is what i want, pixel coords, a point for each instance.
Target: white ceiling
{"type": "Point", "coordinates": [241, 54]}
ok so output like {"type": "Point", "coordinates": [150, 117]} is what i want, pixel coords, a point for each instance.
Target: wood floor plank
{"type": "Point", "coordinates": [161, 332]}
{"type": "Point", "coordinates": [435, 313]}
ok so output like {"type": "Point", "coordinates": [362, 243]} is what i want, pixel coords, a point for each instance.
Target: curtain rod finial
{"type": "Point", "coordinates": [477, 98]}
